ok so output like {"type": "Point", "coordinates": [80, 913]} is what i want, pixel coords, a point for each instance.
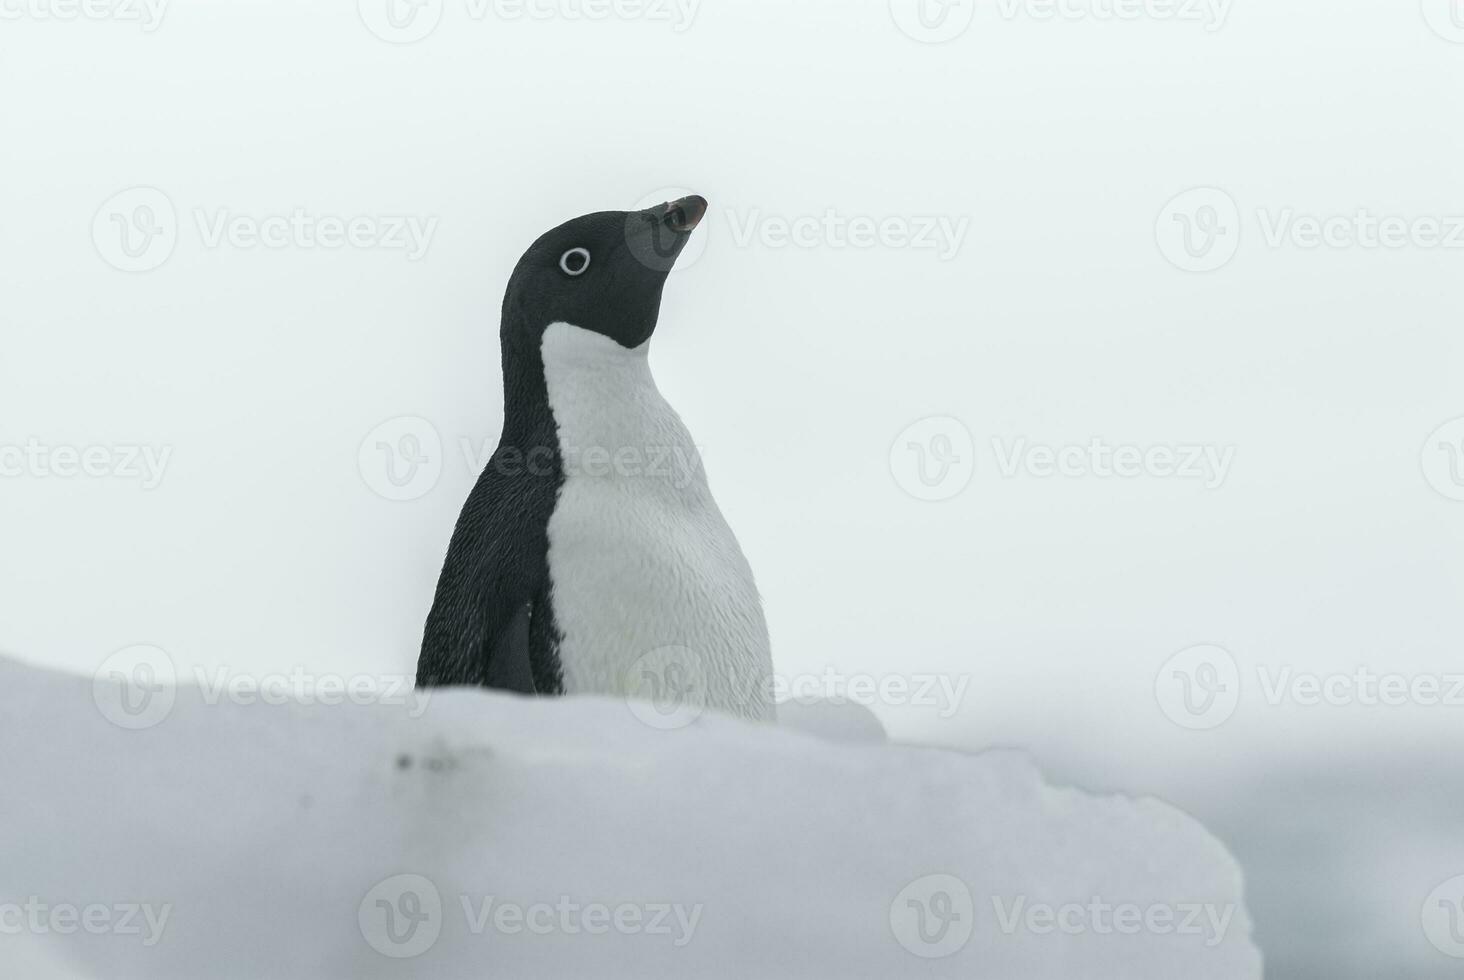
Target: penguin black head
{"type": "Point", "coordinates": [603, 272]}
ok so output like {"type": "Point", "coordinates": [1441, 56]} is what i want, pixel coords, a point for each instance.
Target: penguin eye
{"type": "Point", "coordinates": [575, 261]}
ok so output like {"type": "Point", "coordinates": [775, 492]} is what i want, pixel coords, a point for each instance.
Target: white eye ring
{"type": "Point", "coordinates": [580, 253]}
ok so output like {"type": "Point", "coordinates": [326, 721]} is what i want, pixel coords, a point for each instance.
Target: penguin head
{"type": "Point", "coordinates": [603, 272]}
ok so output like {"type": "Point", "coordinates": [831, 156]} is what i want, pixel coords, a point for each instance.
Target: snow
{"type": "Point", "coordinates": [478, 835]}
{"type": "Point", "coordinates": [844, 720]}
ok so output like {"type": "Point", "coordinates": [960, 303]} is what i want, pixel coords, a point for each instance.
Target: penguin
{"type": "Point", "coordinates": [590, 557]}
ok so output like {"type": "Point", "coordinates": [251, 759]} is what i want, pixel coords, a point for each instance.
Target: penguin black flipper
{"type": "Point", "coordinates": [492, 624]}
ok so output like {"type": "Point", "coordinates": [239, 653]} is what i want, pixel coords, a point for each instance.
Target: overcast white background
{"type": "Point", "coordinates": [1332, 543]}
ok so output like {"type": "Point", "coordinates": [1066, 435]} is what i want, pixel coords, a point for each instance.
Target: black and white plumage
{"type": "Point", "coordinates": [591, 557]}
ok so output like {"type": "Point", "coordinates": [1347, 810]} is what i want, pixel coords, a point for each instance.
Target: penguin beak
{"type": "Point", "coordinates": [657, 235]}
{"type": "Point", "coordinates": [684, 215]}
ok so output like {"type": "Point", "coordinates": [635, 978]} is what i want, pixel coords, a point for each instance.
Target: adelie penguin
{"type": "Point", "coordinates": [591, 558]}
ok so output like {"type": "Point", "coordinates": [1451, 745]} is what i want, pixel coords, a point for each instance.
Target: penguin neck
{"type": "Point", "coordinates": [572, 354]}
{"type": "Point", "coordinates": [603, 395]}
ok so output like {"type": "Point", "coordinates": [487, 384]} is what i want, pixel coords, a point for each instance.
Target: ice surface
{"type": "Point", "coordinates": [840, 721]}
{"type": "Point", "coordinates": [477, 835]}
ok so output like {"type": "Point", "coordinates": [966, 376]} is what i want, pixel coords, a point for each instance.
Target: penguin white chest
{"type": "Point", "coordinates": [652, 594]}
